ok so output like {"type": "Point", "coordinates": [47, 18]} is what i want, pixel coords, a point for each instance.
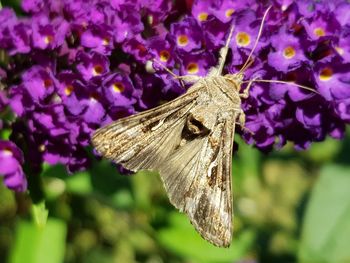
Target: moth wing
{"type": "Point", "coordinates": [144, 140]}
{"type": "Point", "coordinates": [197, 178]}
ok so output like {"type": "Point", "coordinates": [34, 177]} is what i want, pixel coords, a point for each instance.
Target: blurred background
{"type": "Point", "coordinates": [288, 207]}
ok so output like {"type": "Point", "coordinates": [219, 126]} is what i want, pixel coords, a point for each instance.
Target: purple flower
{"type": "Point", "coordinates": [48, 34]}
{"type": "Point", "coordinates": [119, 90]}
{"type": "Point", "coordinates": [92, 65]}
{"type": "Point", "coordinates": [98, 38]}
{"type": "Point", "coordinates": [163, 51]}
{"type": "Point", "coordinates": [11, 159]}
{"type": "Point", "coordinates": [197, 64]}
{"type": "Point", "coordinates": [333, 80]}
{"type": "Point", "coordinates": [288, 53]}
{"type": "Point", "coordinates": [14, 34]}
{"type": "Point", "coordinates": [187, 34]}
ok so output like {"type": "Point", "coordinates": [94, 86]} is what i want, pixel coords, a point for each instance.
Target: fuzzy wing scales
{"type": "Point", "coordinates": [144, 140]}
{"type": "Point", "coordinates": [197, 178]}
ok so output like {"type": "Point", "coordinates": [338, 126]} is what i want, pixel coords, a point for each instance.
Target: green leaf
{"type": "Point", "coordinates": [326, 227]}
{"type": "Point", "coordinates": [35, 244]}
{"type": "Point", "coordinates": [40, 214]}
{"type": "Point", "coordinates": [182, 239]}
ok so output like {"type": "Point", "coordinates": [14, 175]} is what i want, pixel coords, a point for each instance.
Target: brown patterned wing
{"type": "Point", "coordinates": [144, 140]}
{"type": "Point", "coordinates": [197, 178]}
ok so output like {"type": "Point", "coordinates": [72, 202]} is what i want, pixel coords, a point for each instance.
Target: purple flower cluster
{"type": "Point", "coordinates": [76, 65]}
{"type": "Point", "coordinates": [11, 159]}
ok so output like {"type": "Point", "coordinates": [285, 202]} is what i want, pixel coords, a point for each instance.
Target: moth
{"type": "Point", "coordinates": [189, 141]}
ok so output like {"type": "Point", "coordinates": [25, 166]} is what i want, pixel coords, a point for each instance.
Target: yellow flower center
{"type": "Point", "coordinates": [68, 90]}
{"type": "Point", "coordinates": [289, 52]}
{"type": "Point", "coordinates": [164, 55]}
{"type": "Point", "coordinates": [229, 12]}
{"type": "Point", "coordinates": [192, 68]}
{"type": "Point", "coordinates": [326, 74]}
{"type": "Point", "coordinates": [242, 39]}
{"type": "Point", "coordinates": [202, 16]}
{"type": "Point", "coordinates": [182, 40]}
{"type": "Point", "coordinates": [97, 70]}
{"type": "Point", "coordinates": [319, 32]}
{"type": "Point", "coordinates": [118, 87]}
{"type": "Point", "coordinates": [48, 39]}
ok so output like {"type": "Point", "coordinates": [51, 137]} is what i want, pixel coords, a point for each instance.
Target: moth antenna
{"type": "Point", "coordinates": [224, 50]}
{"type": "Point", "coordinates": [247, 64]}
{"type": "Point", "coordinates": [282, 82]}
{"type": "Point", "coordinates": [165, 68]}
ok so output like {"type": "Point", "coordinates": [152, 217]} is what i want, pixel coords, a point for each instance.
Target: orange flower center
{"type": "Point", "coordinates": [242, 39]}
{"type": "Point", "coordinates": [164, 55]}
{"type": "Point", "coordinates": [192, 68]}
{"type": "Point", "coordinates": [118, 87]}
{"type": "Point", "coordinates": [182, 40]}
{"type": "Point", "coordinates": [97, 70]}
{"type": "Point", "coordinates": [68, 90]}
{"type": "Point", "coordinates": [326, 74]}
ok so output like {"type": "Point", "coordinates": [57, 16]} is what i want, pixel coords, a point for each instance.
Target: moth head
{"type": "Point", "coordinates": [235, 79]}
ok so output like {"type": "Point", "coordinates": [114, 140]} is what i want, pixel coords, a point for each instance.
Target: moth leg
{"type": "Point", "coordinates": [245, 128]}
{"type": "Point", "coordinates": [186, 78]}
{"type": "Point", "coordinates": [170, 72]}
{"type": "Point", "coordinates": [245, 93]}
{"type": "Point", "coordinates": [189, 78]}
{"type": "Point", "coordinates": [241, 122]}
{"type": "Point", "coordinates": [166, 69]}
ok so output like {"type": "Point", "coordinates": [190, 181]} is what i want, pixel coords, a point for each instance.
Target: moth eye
{"type": "Point", "coordinates": [196, 126]}
{"type": "Point", "coordinates": [289, 52]}
{"type": "Point", "coordinates": [326, 74]}
{"type": "Point", "coordinates": [242, 39]}
{"type": "Point", "coordinates": [202, 16]}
